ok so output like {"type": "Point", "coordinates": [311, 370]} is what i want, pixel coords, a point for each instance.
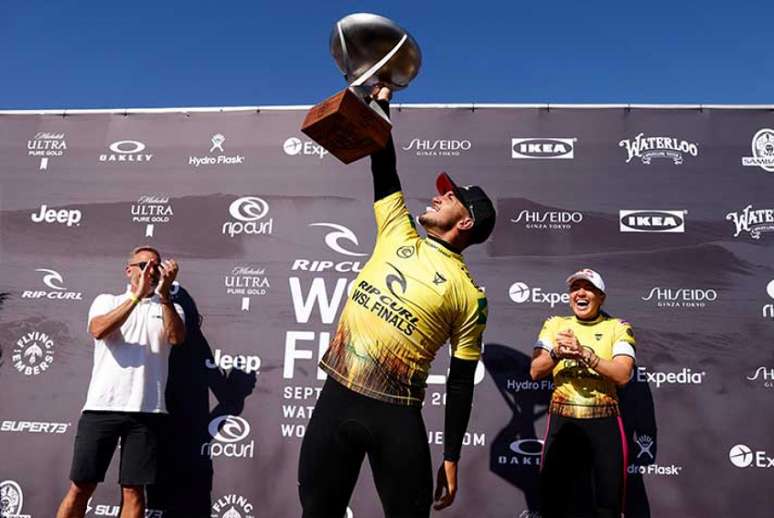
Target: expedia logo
{"type": "Point", "coordinates": [557, 148]}
{"type": "Point", "coordinates": [742, 456]}
{"type": "Point", "coordinates": [652, 220]}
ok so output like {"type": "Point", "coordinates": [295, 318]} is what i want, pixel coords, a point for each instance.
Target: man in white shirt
{"type": "Point", "coordinates": [132, 334]}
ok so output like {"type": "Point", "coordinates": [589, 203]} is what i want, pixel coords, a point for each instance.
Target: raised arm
{"type": "Point", "coordinates": [383, 163]}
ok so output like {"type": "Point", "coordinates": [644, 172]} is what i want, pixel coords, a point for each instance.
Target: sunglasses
{"type": "Point", "coordinates": [142, 264]}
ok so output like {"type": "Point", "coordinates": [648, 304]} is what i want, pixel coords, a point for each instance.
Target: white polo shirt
{"type": "Point", "coordinates": [131, 364]}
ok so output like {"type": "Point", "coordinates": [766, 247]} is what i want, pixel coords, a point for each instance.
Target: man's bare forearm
{"type": "Point", "coordinates": [174, 327]}
{"type": "Point", "coordinates": [103, 325]}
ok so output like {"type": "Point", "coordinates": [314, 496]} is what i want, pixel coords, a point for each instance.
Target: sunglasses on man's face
{"type": "Point", "coordinates": [142, 264]}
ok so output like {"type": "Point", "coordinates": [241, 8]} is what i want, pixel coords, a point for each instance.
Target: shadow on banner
{"type": "Point", "coordinates": [187, 472]}
{"type": "Point", "coordinates": [516, 449]}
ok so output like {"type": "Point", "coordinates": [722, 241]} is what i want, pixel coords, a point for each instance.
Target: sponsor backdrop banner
{"type": "Point", "coordinates": [675, 207]}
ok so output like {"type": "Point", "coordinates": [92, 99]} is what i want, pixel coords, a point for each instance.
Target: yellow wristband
{"type": "Point", "coordinates": [134, 298]}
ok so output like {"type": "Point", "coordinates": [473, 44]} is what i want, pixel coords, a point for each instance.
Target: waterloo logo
{"type": "Point", "coordinates": [213, 158]}
{"type": "Point", "coordinates": [33, 353]}
{"type": "Point", "coordinates": [652, 221]}
{"type": "Point", "coordinates": [763, 376]}
{"type": "Point", "coordinates": [753, 222]}
{"type": "Point", "coordinates": [241, 362]}
{"type": "Point", "coordinates": [548, 219]}
{"type": "Point", "coordinates": [294, 146]}
{"type": "Point", "coordinates": [53, 281]}
{"type": "Point", "coordinates": [762, 150]}
{"type": "Point", "coordinates": [232, 506]}
{"type": "Point", "coordinates": [685, 376]}
{"type": "Point", "coordinates": [522, 452]}
{"type": "Point", "coordinates": [685, 298]}
{"type": "Point", "coordinates": [648, 149]}
{"type": "Point", "coordinates": [46, 145]}
{"type": "Point", "coordinates": [247, 281]}
{"type": "Point", "coordinates": [341, 240]}
{"type": "Point", "coordinates": [438, 147]}
{"type": "Point", "coordinates": [521, 293]}
{"type": "Point", "coordinates": [247, 213]}
{"type": "Point", "coordinates": [229, 434]}
{"type": "Point", "coordinates": [11, 500]}
{"type": "Point", "coordinates": [742, 456]}
{"type": "Point", "coordinates": [644, 462]}
{"type": "Point", "coordinates": [67, 217]}
{"type": "Point", "coordinates": [151, 210]}
{"type": "Point", "coordinates": [543, 148]}
{"type": "Point", "coordinates": [126, 151]}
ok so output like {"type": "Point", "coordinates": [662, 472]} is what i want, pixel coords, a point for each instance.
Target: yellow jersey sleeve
{"type": "Point", "coordinates": [624, 342]}
{"type": "Point", "coordinates": [467, 333]}
{"type": "Point", "coordinates": [393, 220]}
{"type": "Point", "coordinates": [547, 334]}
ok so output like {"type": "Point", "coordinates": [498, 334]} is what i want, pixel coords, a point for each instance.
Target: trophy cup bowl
{"type": "Point", "coordinates": [369, 49]}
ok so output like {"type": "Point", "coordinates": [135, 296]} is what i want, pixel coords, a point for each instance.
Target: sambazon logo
{"type": "Point", "coordinates": [742, 456]}
{"type": "Point", "coordinates": [652, 220]}
{"type": "Point", "coordinates": [520, 293]}
{"type": "Point", "coordinates": [126, 151]}
{"type": "Point", "coordinates": [244, 363]}
{"type": "Point", "coordinates": [762, 150]}
{"type": "Point", "coordinates": [438, 147]}
{"type": "Point", "coordinates": [228, 434]}
{"type": "Point", "coordinates": [34, 427]}
{"type": "Point", "coordinates": [11, 500]}
{"type": "Point", "coordinates": [150, 211]}
{"type": "Point", "coordinates": [685, 376]}
{"type": "Point", "coordinates": [213, 158]}
{"type": "Point", "coordinates": [643, 462]}
{"type": "Point", "coordinates": [56, 290]}
{"type": "Point", "coordinates": [754, 222]}
{"type": "Point", "coordinates": [681, 297]}
{"type": "Point", "coordinates": [247, 213]}
{"type": "Point", "coordinates": [247, 281]}
{"type": "Point", "coordinates": [341, 240]}
{"type": "Point", "coordinates": [232, 506]}
{"type": "Point", "coordinates": [46, 145]}
{"type": "Point", "coordinates": [543, 148]}
{"type": "Point", "coordinates": [763, 376]}
{"type": "Point", "coordinates": [649, 148]}
{"type": "Point", "coordinates": [548, 219]}
{"type": "Point", "coordinates": [68, 217]}
{"type": "Point", "coordinates": [525, 452]}
{"type": "Point", "coordinates": [294, 146]}
{"type": "Point", "coordinates": [33, 353]}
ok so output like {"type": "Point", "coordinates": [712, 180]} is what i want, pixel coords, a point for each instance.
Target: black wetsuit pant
{"type": "Point", "coordinates": [583, 473]}
{"type": "Point", "coordinates": [344, 428]}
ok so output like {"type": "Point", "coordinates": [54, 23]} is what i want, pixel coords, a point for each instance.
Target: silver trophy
{"type": "Point", "coordinates": [369, 49]}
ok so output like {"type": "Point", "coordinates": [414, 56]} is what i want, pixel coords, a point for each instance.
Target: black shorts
{"type": "Point", "coordinates": [347, 426]}
{"type": "Point", "coordinates": [96, 440]}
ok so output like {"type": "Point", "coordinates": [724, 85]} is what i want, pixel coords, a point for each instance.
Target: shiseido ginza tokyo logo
{"type": "Point", "coordinates": [247, 213]}
{"type": "Point", "coordinates": [126, 151]}
{"type": "Point", "coordinates": [229, 434]}
{"type": "Point", "coordinates": [649, 148]}
{"type": "Point", "coordinates": [680, 297]}
{"type": "Point", "coordinates": [437, 147]}
{"type": "Point", "coordinates": [547, 219]}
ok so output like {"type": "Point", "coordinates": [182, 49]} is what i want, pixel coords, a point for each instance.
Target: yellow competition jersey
{"type": "Point", "coordinates": [412, 296]}
{"type": "Point", "coordinates": [579, 391]}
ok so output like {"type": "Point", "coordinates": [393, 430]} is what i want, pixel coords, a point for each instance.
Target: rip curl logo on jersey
{"type": "Point", "coordinates": [228, 434]}
{"type": "Point", "coordinates": [752, 221]}
{"type": "Point", "coordinates": [294, 146]}
{"type": "Point", "coordinates": [248, 211]}
{"type": "Point", "coordinates": [213, 160]}
{"type": "Point", "coordinates": [339, 235]}
{"type": "Point", "coordinates": [438, 147]}
{"type": "Point", "coordinates": [33, 353]}
{"type": "Point", "coordinates": [762, 151]}
{"type": "Point", "coordinates": [543, 148]}
{"type": "Point", "coordinates": [232, 506]}
{"type": "Point", "coordinates": [648, 149]}
{"type": "Point", "coordinates": [126, 151]}
{"type": "Point", "coordinates": [405, 252]}
{"type": "Point", "coordinates": [11, 500]}
{"type": "Point", "coordinates": [46, 145]}
{"type": "Point", "coordinates": [742, 456]}
{"type": "Point", "coordinates": [652, 221]}
{"type": "Point", "coordinates": [392, 279]}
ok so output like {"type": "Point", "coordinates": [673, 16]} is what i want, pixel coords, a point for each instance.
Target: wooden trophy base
{"type": "Point", "coordinates": [347, 127]}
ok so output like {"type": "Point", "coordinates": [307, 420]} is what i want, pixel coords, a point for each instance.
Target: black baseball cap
{"type": "Point", "coordinates": [476, 201]}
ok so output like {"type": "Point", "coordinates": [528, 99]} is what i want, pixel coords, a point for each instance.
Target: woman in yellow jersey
{"type": "Point", "coordinates": [590, 354]}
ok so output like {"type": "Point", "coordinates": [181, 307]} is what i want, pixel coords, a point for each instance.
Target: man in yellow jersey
{"type": "Point", "coordinates": [589, 354]}
{"type": "Point", "coordinates": [412, 296]}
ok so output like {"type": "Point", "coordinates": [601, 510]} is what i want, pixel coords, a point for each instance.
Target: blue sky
{"type": "Point", "coordinates": [167, 53]}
